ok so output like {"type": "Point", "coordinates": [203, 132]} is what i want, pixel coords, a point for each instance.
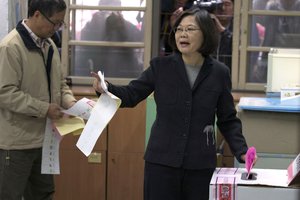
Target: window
{"type": "Point", "coordinates": [17, 10]}
{"type": "Point", "coordinates": [108, 35]}
{"type": "Point", "coordinates": [258, 26]}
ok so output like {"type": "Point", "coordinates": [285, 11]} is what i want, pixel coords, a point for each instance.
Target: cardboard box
{"type": "Point", "coordinates": [230, 184]}
{"type": "Point", "coordinates": [271, 132]}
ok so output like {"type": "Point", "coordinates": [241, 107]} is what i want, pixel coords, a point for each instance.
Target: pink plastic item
{"type": "Point", "coordinates": [250, 157]}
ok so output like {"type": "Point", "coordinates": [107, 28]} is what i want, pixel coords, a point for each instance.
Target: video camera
{"type": "Point", "coordinates": [210, 5]}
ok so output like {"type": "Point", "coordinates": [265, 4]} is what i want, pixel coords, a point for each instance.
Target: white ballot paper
{"type": "Point", "coordinates": [103, 111]}
{"type": "Point", "coordinates": [50, 155]}
{"type": "Point", "coordinates": [102, 83]}
{"type": "Point", "coordinates": [81, 108]}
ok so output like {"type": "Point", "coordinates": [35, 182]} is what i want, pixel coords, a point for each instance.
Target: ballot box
{"type": "Point", "coordinates": [232, 184]}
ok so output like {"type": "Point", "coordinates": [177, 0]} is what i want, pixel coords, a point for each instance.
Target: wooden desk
{"type": "Point", "coordinates": [120, 149]}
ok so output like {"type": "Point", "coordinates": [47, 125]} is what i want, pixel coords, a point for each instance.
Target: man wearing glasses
{"type": "Point", "coordinates": [56, 25]}
{"type": "Point", "coordinates": [32, 89]}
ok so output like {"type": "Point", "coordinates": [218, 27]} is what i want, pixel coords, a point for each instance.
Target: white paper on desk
{"type": "Point", "coordinates": [50, 154]}
{"type": "Point", "coordinates": [81, 108]}
{"type": "Point", "coordinates": [104, 110]}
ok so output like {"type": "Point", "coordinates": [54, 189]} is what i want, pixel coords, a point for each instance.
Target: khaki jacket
{"type": "Point", "coordinates": [24, 91]}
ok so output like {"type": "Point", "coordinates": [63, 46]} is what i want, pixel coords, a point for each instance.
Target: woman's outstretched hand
{"type": "Point", "coordinates": [97, 83]}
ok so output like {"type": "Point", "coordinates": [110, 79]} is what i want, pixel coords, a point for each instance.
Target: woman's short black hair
{"type": "Point", "coordinates": [47, 7]}
{"type": "Point", "coordinates": [207, 26]}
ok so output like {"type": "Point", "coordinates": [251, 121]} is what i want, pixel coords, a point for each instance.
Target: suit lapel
{"type": "Point", "coordinates": [179, 67]}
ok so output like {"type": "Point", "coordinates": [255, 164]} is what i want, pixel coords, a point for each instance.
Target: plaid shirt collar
{"type": "Point", "coordinates": [37, 40]}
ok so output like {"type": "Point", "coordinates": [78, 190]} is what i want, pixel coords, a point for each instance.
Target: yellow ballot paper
{"type": "Point", "coordinates": [103, 111]}
{"type": "Point", "coordinates": [67, 125]}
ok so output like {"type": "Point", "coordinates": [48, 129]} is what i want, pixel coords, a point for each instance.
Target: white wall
{"type": "Point", "coordinates": [4, 18]}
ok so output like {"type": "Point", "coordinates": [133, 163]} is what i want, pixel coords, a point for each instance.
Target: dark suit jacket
{"type": "Point", "coordinates": [183, 132]}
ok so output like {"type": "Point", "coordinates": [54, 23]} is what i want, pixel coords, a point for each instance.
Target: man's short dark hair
{"type": "Point", "coordinates": [48, 7]}
{"type": "Point", "coordinates": [207, 26]}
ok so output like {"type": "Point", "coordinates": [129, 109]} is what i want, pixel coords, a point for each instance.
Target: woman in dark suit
{"type": "Point", "coordinates": [191, 90]}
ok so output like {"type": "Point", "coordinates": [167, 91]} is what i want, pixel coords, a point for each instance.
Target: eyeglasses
{"type": "Point", "coordinates": [55, 25]}
{"type": "Point", "coordinates": [188, 29]}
